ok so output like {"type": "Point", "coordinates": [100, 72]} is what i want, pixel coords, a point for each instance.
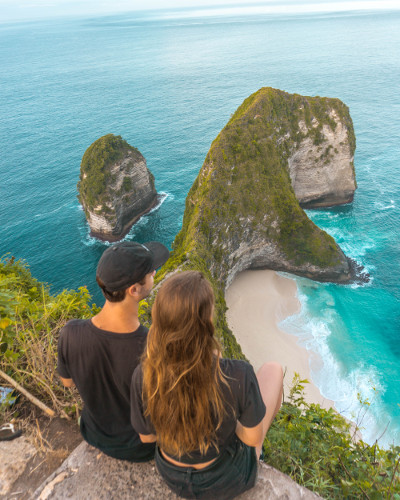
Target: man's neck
{"type": "Point", "coordinates": [117, 317]}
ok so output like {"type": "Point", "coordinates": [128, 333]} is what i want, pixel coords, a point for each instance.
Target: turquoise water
{"type": "Point", "coordinates": [168, 84]}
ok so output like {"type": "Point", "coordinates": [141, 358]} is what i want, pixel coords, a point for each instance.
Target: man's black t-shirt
{"type": "Point", "coordinates": [243, 402]}
{"type": "Point", "coordinates": [101, 364]}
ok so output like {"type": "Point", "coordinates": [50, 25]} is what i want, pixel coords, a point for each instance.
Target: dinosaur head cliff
{"type": "Point", "coordinates": [243, 211]}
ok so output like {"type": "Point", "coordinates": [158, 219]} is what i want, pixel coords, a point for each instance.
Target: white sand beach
{"type": "Point", "coordinates": [257, 301]}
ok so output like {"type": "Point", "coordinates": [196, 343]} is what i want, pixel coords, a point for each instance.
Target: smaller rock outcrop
{"type": "Point", "coordinates": [115, 188]}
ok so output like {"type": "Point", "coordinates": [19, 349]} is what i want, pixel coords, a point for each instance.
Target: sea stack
{"type": "Point", "coordinates": [115, 188]}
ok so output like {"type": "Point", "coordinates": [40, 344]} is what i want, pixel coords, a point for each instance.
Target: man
{"type": "Point", "coordinates": [99, 355]}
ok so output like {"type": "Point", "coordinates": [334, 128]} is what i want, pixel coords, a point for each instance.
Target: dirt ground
{"type": "Point", "coordinates": [53, 438]}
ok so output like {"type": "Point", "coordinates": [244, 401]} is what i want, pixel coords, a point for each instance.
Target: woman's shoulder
{"type": "Point", "coordinates": [235, 368]}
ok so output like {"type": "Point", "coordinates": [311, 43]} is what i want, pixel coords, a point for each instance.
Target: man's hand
{"type": "Point", "coordinates": [67, 382]}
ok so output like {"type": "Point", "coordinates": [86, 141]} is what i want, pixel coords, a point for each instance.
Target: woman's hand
{"type": "Point", "coordinates": [147, 438]}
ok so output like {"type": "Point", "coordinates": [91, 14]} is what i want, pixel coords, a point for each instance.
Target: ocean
{"type": "Point", "coordinates": [168, 82]}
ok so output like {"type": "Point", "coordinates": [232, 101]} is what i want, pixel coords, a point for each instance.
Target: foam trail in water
{"type": "Point", "coordinates": [48, 213]}
{"type": "Point", "coordinates": [347, 389]}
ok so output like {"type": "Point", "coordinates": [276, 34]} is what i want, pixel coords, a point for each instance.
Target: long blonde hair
{"type": "Point", "coordinates": [181, 373]}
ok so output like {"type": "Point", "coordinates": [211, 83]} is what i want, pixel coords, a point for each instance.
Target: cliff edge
{"type": "Point", "coordinates": [115, 188]}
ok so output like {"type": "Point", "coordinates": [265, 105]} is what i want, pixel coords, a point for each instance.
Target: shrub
{"type": "Point", "coordinates": [31, 318]}
{"type": "Point", "coordinates": [318, 449]}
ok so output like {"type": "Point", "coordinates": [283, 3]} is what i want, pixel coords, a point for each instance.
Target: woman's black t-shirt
{"type": "Point", "coordinates": [243, 395]}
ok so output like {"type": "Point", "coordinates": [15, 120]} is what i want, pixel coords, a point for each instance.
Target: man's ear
{"type": "Point", "coordinates": [134, 290]}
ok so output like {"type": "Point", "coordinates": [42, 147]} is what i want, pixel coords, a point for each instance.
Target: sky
{"type": "Point", "coordinates": [17, 10]}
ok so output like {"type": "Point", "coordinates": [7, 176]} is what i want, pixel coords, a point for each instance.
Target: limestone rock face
{"type": "Point", "coordinates": [116, 188]}
{"type": "Point", "coordinates": [322, 174]}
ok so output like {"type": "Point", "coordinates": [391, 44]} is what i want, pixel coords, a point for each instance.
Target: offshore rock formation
{"type": "Point", "coordinates": [116, 188]}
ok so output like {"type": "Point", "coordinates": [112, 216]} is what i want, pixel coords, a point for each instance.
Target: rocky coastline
{"type": "Point", "coordinates": [278, 151]}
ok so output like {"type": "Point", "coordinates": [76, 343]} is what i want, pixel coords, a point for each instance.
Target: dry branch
{"type": "Point", "coordinates": [28, 395]}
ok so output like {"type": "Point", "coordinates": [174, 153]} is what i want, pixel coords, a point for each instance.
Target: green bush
{"type": "Point", "coordinates": [30, 320]}
{"type": "Point", "coordinates": [319, 450]}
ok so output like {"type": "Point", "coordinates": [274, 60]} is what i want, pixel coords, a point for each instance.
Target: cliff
{"type": "Point", "coordinates": [242, 211]}
{"type": "Point", "coordinates": [115, 188]}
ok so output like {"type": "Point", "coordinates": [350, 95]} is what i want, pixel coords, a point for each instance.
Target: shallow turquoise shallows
{"type": "Point", "coordinates": [168, 84]}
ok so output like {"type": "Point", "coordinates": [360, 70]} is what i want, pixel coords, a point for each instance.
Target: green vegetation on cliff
{"type": "Point", "coordinates": [95, 173]}
{"type": "Point", "coordinates": [30, 319]}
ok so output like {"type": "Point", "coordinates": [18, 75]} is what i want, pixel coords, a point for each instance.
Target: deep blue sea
{"type": "Point", "coordinates": [168, 82]}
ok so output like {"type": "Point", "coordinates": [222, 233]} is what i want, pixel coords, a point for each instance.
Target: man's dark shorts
{"type": "Point", "coordinates": [133, 450]}
{"type": "Point", "coordinates": [232, 473]}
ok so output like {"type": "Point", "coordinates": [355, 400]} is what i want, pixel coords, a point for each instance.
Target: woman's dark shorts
{"type": "Point", "coordinates": [232, 473]}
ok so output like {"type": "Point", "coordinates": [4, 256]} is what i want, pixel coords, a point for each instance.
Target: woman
{"type": "Point", "coordinates": [208, 415]}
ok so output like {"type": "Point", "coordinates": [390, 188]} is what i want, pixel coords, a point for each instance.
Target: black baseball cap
{"type": "Point", "coordinates": [128, 262]}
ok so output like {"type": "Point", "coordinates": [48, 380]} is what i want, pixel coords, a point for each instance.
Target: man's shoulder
{"type": "Point", "coordinates": [142, 330]}
{"type": "Point", "coordinates": [74, 325]}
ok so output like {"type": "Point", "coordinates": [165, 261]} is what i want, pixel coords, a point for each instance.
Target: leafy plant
{"type": "Point", "coordinates": [31, 318]}
{"type": "Point", "coordinates": [315, 446]}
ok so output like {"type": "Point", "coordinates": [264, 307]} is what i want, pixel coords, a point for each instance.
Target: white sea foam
{"type": "Point", "coordinates": [348, 389]}
{"type": "Point", "coordinates": [46, 214]}
{"type": "Point", "coordinates": [383, 206]}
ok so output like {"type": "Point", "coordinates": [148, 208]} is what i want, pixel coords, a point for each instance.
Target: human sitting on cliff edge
{"type": "Point", "coordinates": [99, 355]}
{"type": "Point", "coordinates": [208, 415]}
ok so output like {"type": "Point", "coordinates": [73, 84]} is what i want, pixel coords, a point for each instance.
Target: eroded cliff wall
{"type": "Point", "coordinates": [321, 168]}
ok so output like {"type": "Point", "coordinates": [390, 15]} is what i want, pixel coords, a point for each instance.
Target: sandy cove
{"type": "Point", "coordinates": [257, 301]}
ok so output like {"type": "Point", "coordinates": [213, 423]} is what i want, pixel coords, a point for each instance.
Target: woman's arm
{"type": "Point", "coordinates": [252, 436]}
{"type": "Point", "coordinates": [147, 438]}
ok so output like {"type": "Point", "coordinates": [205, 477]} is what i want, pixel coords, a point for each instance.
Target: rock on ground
{"type": "Point", "coordinates": [13, 457]}
{"type": "Point", "coordinates": [88, 474]}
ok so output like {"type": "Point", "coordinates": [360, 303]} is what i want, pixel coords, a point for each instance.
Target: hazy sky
{"type": "Point", "coordinates": [35, 9]}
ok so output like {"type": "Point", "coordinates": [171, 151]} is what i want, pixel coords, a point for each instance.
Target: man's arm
{"type": "Point", "coordinates": [67, 382]}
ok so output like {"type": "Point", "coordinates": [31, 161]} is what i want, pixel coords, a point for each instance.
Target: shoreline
{"type": "Point", "coordinates": [257, 302]}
